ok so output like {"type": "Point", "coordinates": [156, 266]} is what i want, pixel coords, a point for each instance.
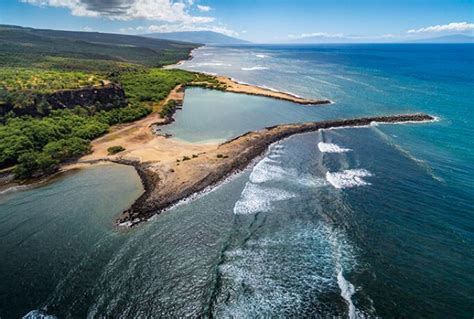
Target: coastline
{"type": "Point", "coordinates": [234, 86]}
{"type": "Point", "coordinates": [173, 170]}
{"type": "Point", "coordinates": [165, 187]}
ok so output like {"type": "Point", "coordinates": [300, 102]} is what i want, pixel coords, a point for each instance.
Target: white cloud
{"type": "Point", "coordinates": [158, 10]}
{"type": "Point", "coordinates": [87, 29]}
{"type": "Point", "coordinates": [204, 8]}
{"type": "Point", "coordinates": [453, 26]}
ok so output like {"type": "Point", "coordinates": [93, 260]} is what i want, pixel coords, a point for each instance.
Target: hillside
{"type": "Point", "coordinates": [78, 50]}
{"type": "Point", "coordinates": [204, 37]}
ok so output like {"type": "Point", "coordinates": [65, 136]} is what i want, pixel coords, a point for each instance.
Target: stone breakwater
{"type": "Point", "coordinates": [165, 186]}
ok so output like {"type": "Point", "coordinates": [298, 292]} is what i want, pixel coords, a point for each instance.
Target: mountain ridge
{"type": "Point", "coordinates": [200, 37]}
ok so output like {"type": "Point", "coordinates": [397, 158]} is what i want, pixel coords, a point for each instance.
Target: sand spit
{"type": "Point", "coordinates": [236, 87]}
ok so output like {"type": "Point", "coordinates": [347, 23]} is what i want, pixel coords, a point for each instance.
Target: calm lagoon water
{"type": "Point", "coordinates": [373, 221]}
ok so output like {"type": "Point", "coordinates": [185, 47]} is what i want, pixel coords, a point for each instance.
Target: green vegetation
{"type": "Point", "coordinates": [152, 85]}
{"type": "Point", "coordinates": [35, 63]}
{"type": "Point", "coordinates": [44, 81]}
{"type": "Point", "coordinates": [168, 109]}
{"type": "Point", "coordinates": [115, 149]}
{"type": "Point", "coordinates": [28, 47]}
{"type": "Point", "coordinates": [62, 136]}
{"type": "Point", "coordinates": [208, 82]}
{"type": "Point", "coordinates": [35, 163]}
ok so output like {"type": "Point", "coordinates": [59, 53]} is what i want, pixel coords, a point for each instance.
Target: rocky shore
{"type": "Point", "coordinates": [166, 185]}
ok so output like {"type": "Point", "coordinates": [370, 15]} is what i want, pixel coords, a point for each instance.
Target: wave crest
{"type": "Point", "coordinates": [348, 178]}
{"type": "Point", "coordinates": [332, 148]}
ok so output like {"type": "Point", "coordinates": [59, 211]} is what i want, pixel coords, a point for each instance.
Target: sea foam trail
{"type": "Point", "coordinates": [38, 314]}
{"type": "Point", "coordinates": [348, 178]}
{"type": "Point", "coordinates": [347, 290]}
{"type": "Point", "coordinates": [255, 68]}
{"type": "Point", "coordinates": [332, 148]}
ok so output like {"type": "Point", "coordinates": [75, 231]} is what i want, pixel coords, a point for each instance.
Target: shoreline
{"type": "Point", "coordinates": [165, 188]}
{"type": "Point", "coordinates": [172, 171]}
{"type": "Point", "coordinates": [234, 86]}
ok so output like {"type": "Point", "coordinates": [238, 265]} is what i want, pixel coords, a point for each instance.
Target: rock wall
{"type": "Point", "coordinates": [103, 97]}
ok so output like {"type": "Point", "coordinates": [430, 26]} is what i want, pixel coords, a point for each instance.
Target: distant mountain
{"type": "Point", "coordinates": [454, 38]}
{"type": "Point", "coordinates": [203, 37]}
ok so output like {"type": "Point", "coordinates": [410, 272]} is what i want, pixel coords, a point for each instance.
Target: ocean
{"type": "Point", "coordinates": [356, 222]}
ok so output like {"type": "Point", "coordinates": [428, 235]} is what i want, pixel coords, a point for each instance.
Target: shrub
{"type": "Point", "coordinates": [67, 148]}
{"type": "Point", "coordinates": [168, 109]}
{"type": "Point", "coordinates": [33, 163]}
{"type": "Point", "coordinates": [115, 149]}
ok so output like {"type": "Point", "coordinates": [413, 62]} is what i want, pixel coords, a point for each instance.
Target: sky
{"type": "Point", "coordinates": [259, 21]}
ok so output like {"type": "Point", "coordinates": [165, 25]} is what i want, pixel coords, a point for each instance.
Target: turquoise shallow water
{"type": "Point", "coordinates": [374, 221]}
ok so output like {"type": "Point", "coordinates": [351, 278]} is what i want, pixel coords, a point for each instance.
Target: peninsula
{"type": "Point", "coordinates": [172, 170]}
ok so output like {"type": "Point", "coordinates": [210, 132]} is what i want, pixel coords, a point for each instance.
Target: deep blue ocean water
{"type": "Point", "coordinates": [375, 221]}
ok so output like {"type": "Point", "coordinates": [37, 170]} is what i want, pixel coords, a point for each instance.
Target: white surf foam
{"type": "Point", "coordinates": [261, 56]}
{"type": "Point", "coordinates": [255, 68]}
{"type": "Point", "coordinates": [13, 189]}
{"type": "Point", "coordinates": [265, 171]}
{"type": "Point", "coordinates": [256, 199]}
{"type": "Point", "coordinates": [348, 178]}
{"type": "Point", "coordinates": [38, 314]}
{"type": "Point", "coordinates": [332, 148]}
{"type": "Point", "coordinates": [347, 290]}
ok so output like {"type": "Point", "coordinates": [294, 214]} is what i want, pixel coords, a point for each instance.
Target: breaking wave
{"type": "Point", "coordinates": [332, 148]}
{"type": "Point", "coordinates": [256, 199]}
{"type": "Point", "coordinates": [348, 178]}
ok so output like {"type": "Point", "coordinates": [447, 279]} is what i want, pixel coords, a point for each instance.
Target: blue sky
{"type": "Point", "coordinates": [254, 20]}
